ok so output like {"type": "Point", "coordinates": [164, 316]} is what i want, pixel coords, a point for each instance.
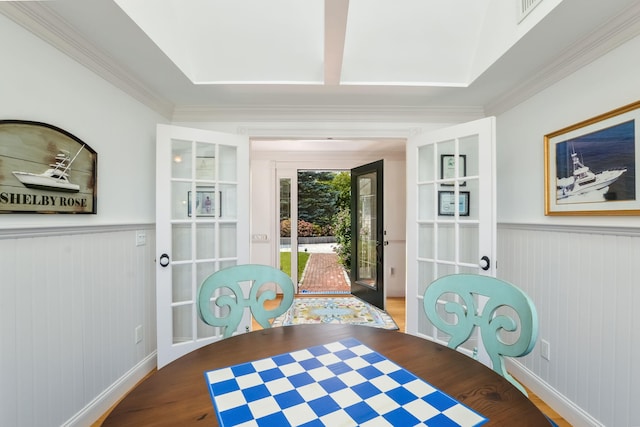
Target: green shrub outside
{"type": "Point", "coordinates": [342, 232]}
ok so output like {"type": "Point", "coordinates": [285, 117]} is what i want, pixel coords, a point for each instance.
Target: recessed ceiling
{"type": "Point", "coordinates": [316, 42]}
{"type": "Point", "coordinates": [439, 61]}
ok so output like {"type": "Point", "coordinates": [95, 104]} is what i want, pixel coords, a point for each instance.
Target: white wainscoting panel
{"type": "Point", "coordinates": [69, 305]}
{"type": "Point", "coordinates": [586, 287]}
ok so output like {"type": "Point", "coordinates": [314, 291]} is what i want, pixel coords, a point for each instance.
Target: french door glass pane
{"type": "Point", "coordinates": [181, 159]}
{"type": "Point", "coordinates": [444, 151]}
{"type": "Point", "coordinates": [426, 171]}
{"type": "Point", "coordinates": [469, 252]}
{"type": "Point", "coordinates": [182, 289]}
{"type": "Point", "coordinates": [471, 189]}
{"type": "Point", "coordinates": [203, 270]}
{"type": "Point", "coordinates": [205, 240]}
{"type": "Point", "coordinates": [206, 331]}
{"type": "Point", "coordinates": [228, 263]}
{"type": "Point", "coordinates": [447, 242]}
{"type": "Point", "coordinates": [425, 241]}
{"type": "Point", "coordinates": [424, 325]}
{"type": "Point", "coordinates": [180, 198]}
{"type": "Point", "coordinates": [227, 163]}
{"type": "Point", "coordinates": [426, 202]}
{"type": "Point", "coordinates": [228, 247]}
{"type": "Point", "coordinates": [469, 147]}
{"type": "Point", "coordinates": [445, 269]}
{"type": "Point", "coordinates": [181, 239]}
{"type": "Point", "coordinates": [228, 201]}
{"type": "Point", "coordinates": [425, 276]}
{"type": "Point", "coordinates": [182, 315]}
{"type": "Point", "coordinates": [205, 169]}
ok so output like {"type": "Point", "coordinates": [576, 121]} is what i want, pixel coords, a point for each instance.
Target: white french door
{"type": "Point", "coordinates": [450, 212]}
{"type": "Point", "coordinates": [202, 225]}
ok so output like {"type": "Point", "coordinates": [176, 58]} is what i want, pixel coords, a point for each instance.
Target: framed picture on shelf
{"type": "Point", "coordinates": [447, 203]}
{"type": "Point", "coordinates": [448, 168]}
{"type": "Point", "coordinates": [205, 202]}
{"type": "Point", "coordinates": [590, 167]}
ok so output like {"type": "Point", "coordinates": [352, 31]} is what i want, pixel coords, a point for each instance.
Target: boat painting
{"type": "Point", "coordinates": [584, 182]}
{"type": "Point", "coordinates": [56, 178]}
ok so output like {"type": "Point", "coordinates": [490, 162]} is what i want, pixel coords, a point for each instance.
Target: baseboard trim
{"type": "Point", "coordinates": [105, 400]}
{"type": "Point", "coordinates": [571, 412]}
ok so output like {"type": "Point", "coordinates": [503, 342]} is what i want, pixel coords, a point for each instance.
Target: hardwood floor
{"type": "Point", "coordinates": [396, 308]}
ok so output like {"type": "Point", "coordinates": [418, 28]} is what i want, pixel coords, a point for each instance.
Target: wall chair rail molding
{"type": "Point", "coordinates": [44, 169]}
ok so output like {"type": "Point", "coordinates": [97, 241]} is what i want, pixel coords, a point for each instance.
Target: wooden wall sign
{"type": "Point", "coordinates": [44, 169]}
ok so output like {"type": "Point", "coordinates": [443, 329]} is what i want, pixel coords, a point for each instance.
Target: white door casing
{"type": "Point", "coordinates": [202, 225]}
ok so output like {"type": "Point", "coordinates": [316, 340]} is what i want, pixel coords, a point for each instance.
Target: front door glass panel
{"type": "Point", "coordinates": [366, 230]}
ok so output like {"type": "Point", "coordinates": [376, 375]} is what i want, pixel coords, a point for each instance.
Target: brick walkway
{"type": "Point", "coordinates": [323, 273]}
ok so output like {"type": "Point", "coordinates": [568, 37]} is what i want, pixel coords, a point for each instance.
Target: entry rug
{"type": "Point", "coordinates": [344, 383]}
{"type": "Point", "coordinates": [345, 310]}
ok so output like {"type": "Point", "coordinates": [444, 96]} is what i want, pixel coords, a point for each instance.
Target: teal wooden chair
{"type": "Point", "coordinates": [492, 320]}
{"type": "Point", "coordinates": [230, 278]}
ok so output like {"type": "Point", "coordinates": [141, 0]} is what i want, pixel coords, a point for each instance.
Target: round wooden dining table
{"type": "Point", "coordinates": [178, 395]}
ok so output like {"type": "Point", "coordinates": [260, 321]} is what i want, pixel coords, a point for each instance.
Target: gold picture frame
{"type": "Point", "coordinates": [590, 167]}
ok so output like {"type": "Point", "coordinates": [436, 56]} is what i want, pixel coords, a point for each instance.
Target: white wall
{"type": "Point", "coordinates": [38, 83]}
{"type": "Point", "coordinates": [74, 287]}
{"type": "Point", "coordinates": [602, 86]}
{"type": "Point", "coordinates": [581, 271]}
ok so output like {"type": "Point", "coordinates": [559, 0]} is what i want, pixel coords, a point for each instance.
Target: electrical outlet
{"type": "Point", "coordinates": [138, 334]}
{"type": "Point", "coordinates": [545, 349]}
{"type": "Point", "coordinates": [141, 238]}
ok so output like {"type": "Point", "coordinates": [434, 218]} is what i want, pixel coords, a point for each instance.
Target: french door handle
{"type": "Point", "coordinates": [164, 260]}
{"type": "Point", "coordinates": [485, 263]}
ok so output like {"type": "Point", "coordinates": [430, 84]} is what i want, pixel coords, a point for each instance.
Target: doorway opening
{"type": "Point", "coordinates": [315, 230]}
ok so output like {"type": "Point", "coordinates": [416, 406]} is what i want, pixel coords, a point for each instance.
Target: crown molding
{"type": "Point", "coordinates": [41, 21]}
{"type": "Point", "coordinates": [606, 38]}
{"type": "Point", "coordinates": [324, 113]}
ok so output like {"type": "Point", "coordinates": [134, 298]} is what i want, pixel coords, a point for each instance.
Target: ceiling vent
{"type": "Point", "coordinates": [525, 7]}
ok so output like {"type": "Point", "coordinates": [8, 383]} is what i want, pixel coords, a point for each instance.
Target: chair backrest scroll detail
{"type": "Point", "coordinates": [498, 294]}
{"type": "Point", "coordinates": [231, 278]}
